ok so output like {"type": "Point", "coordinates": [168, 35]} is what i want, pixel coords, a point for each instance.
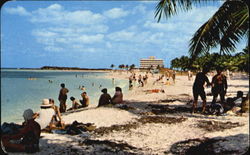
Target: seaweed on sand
{"type": "Point", "coordinates": [207, 146]}
{"type": "Point", "coordinates": [133, 125]}
{"type": "Point", "coordinates": [106, 130]}
{"type": "Point", "coordinates": [166, 109]}
{"type": "Point", "coordinates": [161, 119]}
{"type": "Point", "coordinates": [217, 125]}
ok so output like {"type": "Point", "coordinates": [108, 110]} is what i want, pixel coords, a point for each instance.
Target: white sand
{"type": "Point", "coordinates": [152, 138]}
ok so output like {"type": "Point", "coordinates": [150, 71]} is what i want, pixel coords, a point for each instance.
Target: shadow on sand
{"type": "Point", "coordinates": [237, 144]}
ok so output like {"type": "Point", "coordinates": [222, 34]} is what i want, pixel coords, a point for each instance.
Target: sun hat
{"type": "Point", "coordinates": [28, 114]}
{"type": "Point", "coordinates": [45, 103]}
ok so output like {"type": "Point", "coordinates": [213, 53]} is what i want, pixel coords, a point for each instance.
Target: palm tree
{"type": "Point", "coordinates": [132, 66]}
{"type": "Point", "coordinates": [225, 28]}
{"type": "Point", "coordinates": [112, 66]}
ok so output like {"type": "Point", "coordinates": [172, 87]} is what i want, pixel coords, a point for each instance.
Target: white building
{"type": "Point", "coordinates": [151, 61]}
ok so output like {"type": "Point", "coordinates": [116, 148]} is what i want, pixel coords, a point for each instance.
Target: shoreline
{"type": "Point", "coordinates": [139, 126]}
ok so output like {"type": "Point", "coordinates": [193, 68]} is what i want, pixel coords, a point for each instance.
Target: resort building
{"type": "Point", "coordinates": [151, 61]}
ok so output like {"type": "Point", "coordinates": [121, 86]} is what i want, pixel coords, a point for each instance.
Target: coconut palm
{"type": "Point", "coordinates": [225, 28]}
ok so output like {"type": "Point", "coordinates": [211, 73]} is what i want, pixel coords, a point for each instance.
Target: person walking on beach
{"type": "Point", "coordinates": [105, 98]}
{"type": "Point", "coordinates": [63, 97]}
{"type": "Point", "coordinates": [198, 89]}
{"type": "Point", "coordinates": [190, 75]}
{"type": "Point", "coordinates": [219, 85]}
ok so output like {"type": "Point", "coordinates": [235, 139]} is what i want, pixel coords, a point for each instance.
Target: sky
{"type": "Point", "coordinates": [94, 34]}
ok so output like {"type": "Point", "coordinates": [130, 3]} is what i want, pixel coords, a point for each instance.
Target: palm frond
{"type": "Point", "coordinates": [221, 29]}
{"type": "Point", "coordinates": [169, 8]}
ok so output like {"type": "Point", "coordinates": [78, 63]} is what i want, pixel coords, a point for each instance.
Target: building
{"type": "Point", "coordinates": [151, 62]}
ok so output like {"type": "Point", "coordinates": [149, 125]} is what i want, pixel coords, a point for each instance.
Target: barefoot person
{"type": "Point", "coordinates": [219, 86]}
{"type": "Point", "coordinates": [198, 88]}
{"type": "Point", "coordinates": [27, 139]}
{"type": "Point", "coordinates": [63, 97]}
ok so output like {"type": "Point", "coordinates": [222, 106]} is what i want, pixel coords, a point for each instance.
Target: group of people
{"type": "Point", "coordinates": [105, 99]}
{"type": "Point", "coordinates": [218, 88]}
{"type": "Point", "coordinates": [49, 116]}
{"type": "Point", "coordinates": [75, 104]}
{"type": "Point", "coordinates": [142, 80]}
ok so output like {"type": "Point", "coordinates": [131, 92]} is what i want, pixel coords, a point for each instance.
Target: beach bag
{"type": "Point", "coordinates": [216, 109]}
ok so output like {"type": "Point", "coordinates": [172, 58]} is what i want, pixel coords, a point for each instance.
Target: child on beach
{"type": "Point", "coordinates": [198, 88]}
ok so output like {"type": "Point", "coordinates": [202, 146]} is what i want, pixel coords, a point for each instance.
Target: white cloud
{"type": "Point", "coordinates": [19, 10]}
{"type": "Point", "coordinates": [160, 26]}
{"type": "Point", "coordinates": [56, 14]}
{"type": "Point", "coordinates": [139, 9]}
{"type": "Point", "coordinates": [89, 39]}
{"type": "Point", "coordinates": [44, 33]}
{"type": "Point", "coordinates": [116, 13]}
{"type": "Point", "coordinates": [121, 36]}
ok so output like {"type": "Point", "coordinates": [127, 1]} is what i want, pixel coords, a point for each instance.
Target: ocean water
{"type": "Point", "coordinates": [23, 89]}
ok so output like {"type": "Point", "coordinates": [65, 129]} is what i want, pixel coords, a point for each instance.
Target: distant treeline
{"type": "Point", "coordinates": [69, 68]}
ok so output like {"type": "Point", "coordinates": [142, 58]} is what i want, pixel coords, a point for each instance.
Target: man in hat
{"type": "Point", "coordinates": [27, 139]}
{"type": "Point", "coordinates": [105, 98]}
{"type": "Point", "coordinates": [63, 97]}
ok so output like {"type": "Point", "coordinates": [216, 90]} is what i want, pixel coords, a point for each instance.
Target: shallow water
{"type": "Point", "coordinates": [23, 89]}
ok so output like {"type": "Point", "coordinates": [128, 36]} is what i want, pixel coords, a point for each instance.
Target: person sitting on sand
{"type": "Point", "coordinates": [45, 114]}
{"type": "Point", "coordinates": [75, 103]}
{"type": "Point", "coordinates": [27, 139]}
{"type": "Point", "coordinates": [234, 103]}
{"type": "Point", "coordinates": [85, 100]}
{"type": "Point", "coordinates": [118, 97]}
{"type": "Point", "coordinates": [238, 99]}
{"type": "Point", "coordinates": [198, 89]}
{"type": "Point", "coordinates": [105, 98]}
{"type": "Point", "coordinates": [56, 118]}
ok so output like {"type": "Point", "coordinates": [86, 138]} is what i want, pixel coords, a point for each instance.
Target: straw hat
{"type": "Point", "coordinates": [46, 103]}
{"type": "Point", "coordinates": [28, 114]}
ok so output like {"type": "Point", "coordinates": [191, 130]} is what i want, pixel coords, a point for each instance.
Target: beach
{"type": "Point", "coordinates": [154, 123]}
